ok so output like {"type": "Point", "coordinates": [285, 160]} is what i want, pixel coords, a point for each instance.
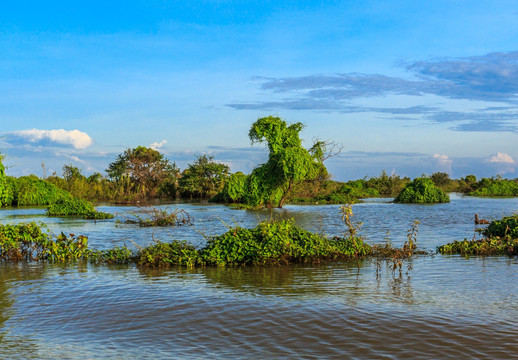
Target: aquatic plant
{"type": "Point", "coordinates": [162, 254]}
{"type": "Point", "coordinates": [27, 241]}
{"type": "Point", "coordinates": [500, 238]}
{"type": "Point", "coordinates": [76, 207]}
{"type": "Point", "coordinates": [422, 191]}
{"type": "Point", "coordinates": [277, 242]}
{"type": "Point", "coordinates": [160, 217]}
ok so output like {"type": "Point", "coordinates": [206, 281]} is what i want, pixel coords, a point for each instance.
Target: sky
{"type": "Point", "coordinates": [409, 87]}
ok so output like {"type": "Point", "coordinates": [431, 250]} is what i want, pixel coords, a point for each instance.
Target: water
{"type": "Point", "coordinates": [440, 306]}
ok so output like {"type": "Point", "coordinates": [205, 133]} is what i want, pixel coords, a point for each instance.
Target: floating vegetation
{"type": "Point", "coordinates": [160, 217]}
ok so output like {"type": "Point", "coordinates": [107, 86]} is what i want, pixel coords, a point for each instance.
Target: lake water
{"type": "Point", "coordinates": [439, 307]}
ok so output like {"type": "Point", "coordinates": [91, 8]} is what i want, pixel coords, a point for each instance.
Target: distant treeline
{"type": "Point", "coordinates": [292, 174]}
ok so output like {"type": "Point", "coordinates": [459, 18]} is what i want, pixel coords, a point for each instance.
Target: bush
{"type": "Point", "coordinates": [277, 242]}
{"type": "Point", "coordinates": [422, 191]}
{"type": "Point", "coordinates": [76, 207]}
{"type": "Point", "coordinates": [30, 191]}
{"type": "Point", "coordinates": [495, 187]}
{"type": "Point", "coordinates": [508, 226]}
{"type": "Point", "coordinates": [27, 241]}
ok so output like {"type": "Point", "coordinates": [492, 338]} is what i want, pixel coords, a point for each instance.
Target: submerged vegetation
{"type": "Point", "coordinates": [160, 217]}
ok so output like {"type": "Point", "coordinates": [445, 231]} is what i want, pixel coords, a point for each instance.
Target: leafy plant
{"type": "Point", "coordinates": [422, 191]}
{"type": "Point", "coordinates": [76, 207]}
{"type": "Point", "coordinates": [203, 179]}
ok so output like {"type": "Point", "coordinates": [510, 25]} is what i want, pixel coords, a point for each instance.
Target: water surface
{"type": "Point", "coordinates": [438, 307]}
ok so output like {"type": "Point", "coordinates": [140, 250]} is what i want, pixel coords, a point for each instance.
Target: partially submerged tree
{"type": "Point", "coordinates": [204, 178]}
{"type": "Point", "coordinates": [288, 162]}
{"type": "Point", "coordinates": [146, 170]}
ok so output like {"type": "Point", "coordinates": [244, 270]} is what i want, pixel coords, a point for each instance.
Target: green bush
{"type": "Point", "coordinates": [32, 191]}
{"type": "Point", "coordinates": [27, 241]}
{"type": "Point", "coordinates": [277, 242]}
{"type": "Point", "coordinates": [76, 207]}
{"type": "Point", "coordinates": [508, 226]}
{"type": "Point", "coordinates": [422, 191]}
{"type": "Point", "coordinates": [233, 190]}
{"type": "Point", "coordinates": [495, 187]}
{"type": "Point", "coordinates": [176, 253]}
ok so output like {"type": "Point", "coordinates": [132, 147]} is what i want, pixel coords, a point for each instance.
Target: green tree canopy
{"type": "Point", "coordinates": [288, 162]}
{"type": "Point", "coordinates": [147, 169]}
{"type": "Point", "coordinates": [203, 178]}
{"type": "Point", "coordinates": [3, 183]}
{"type": "Point", "coordinates": [422, 191]}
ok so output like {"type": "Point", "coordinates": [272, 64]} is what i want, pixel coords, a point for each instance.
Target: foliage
{"type": "Point", "coordinates": [501, 238]}
{"type": "Point", "coordinates": [422, 191]}
{"type": "Point", "coordinates": [387, 185]}
{"type": "Point", "coordinates": [30, 190]}
{"type": "Point", "coordinates": [486, 246]}
{"type": "Point", "coordinates": [144, 171]}
{"type": "Point", "coordinates": [161, 217]}
{"type": "Point", "coordinates": [233, 189]}
{"type": "Point", "coordinates": [3, 184]}
{"type": "Point", "coordinates": [160, 254]}
{"type": "Point", "coordinates": [74, 207]}
{"type": "Point", "coordinates": [277, 242]}
{"type": "Point", "coordinates": [288, 162]}
{"type": "Point", "coordinates": [495, 187]}
{"type": "Point", "coordinates": [508, 226]}
{"type": "Point", "coordinates": [27, 241]}
{"type": "Point", "coordinates": [203, 179]}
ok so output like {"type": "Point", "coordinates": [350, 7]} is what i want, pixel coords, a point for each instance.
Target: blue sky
{"type": "Point", "coordinates": [407, 87]}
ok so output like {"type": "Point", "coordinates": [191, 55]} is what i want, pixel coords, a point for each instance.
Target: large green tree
{"type": "Point", "coordinates": [148, 171]}
{"type": "Point", "coordinates": [288, 162]}
{"type": "Point", "coordinates": [203, 178]}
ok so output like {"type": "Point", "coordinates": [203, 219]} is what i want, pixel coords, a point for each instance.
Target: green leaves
{"type": "Point", "coordinates": [422, 191]}
{"type": "Point", "coordinates": [288, 162]}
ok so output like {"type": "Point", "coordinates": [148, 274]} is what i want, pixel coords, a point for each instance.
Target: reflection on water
{"type": "Point", "coordinates": [439, 306]}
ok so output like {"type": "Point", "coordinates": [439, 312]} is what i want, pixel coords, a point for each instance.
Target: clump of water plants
{"type": "Point", "coordinates": [421, 191]}
{"type": "Point", "coordinates": [28, 241]}
{"type": "Point", "coordinates": [500, 238]}
{"type": "Point", "coordinates": [160, 217]}
{"type": "Point", "coordinates": [175, 253]}
{"type": "Point", "coordinates": [277, 242]}
{"type": "Point", "coordinates": [76, 207]}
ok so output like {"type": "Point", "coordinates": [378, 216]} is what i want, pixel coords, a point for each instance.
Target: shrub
{"type": "Point", "coordinates": [508, 226]}
{"type": "Point", "coordinates": [422, 191]}
{"type": "Point", "coordinates": [27, 241]}
{"type": "Point", "coordinates": [277, 242]}
{"type": "Point", "coordinates": [30, 190]}
{"type": "Point", "coordinates": [158, 217]}
{"type": "Point", "coordinates": [177, 253]}
{"type": "Point", "coordinates": [76, 207]}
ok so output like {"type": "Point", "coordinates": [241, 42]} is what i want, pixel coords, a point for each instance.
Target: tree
{"type": "Point", "coordinates": [288, 162]}
{"type": "Point", "coordinates": [204, 178]}
{"type": "Point", "coordinates": [3, 183]}
{"type": "Point", "coordinates": [147, 170]}
{"type": "Point", "coordinates": [422, 191]}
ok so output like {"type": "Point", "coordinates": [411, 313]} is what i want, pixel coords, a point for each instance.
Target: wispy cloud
{"type": "Point", "coordinates": [488, 78]}
{"type": "Point", "coordinates": [158, 144]}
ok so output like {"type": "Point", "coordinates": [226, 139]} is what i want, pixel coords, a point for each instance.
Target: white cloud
{"type": "Point", "coordinates": [76, 138]}
{"type": "Point", "coordinates": [157, 145]}
{"type": "Point", "coordinates": [501, 158]}
{"type": "Point", "coordinates": [444, 162]}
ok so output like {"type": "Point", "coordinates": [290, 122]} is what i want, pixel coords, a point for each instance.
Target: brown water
{"type": "Point", "coordinates": [439, 307]}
